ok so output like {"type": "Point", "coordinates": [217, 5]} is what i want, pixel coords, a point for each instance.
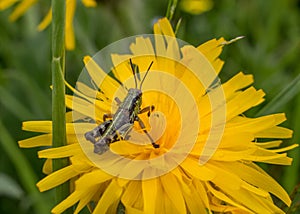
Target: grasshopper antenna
{"type": "Point", "coordinates": [146, 75]}
{"type": "Point", "coordinates": [133, 71]}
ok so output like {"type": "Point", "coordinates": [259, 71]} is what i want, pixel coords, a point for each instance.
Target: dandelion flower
{"type": "Point", "coordinates": [196, 7]}
{"type": "Point", "coordinates": [24, 5]}
{"type": "Point", "coordinates": [209, 168]}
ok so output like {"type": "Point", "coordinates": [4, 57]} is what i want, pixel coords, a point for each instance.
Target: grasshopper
{"type": "Point", "coordinates": [121, 123]}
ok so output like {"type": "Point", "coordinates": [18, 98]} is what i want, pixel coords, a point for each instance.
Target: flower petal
{"type": "Point", "coordinates": [37, 126]}
{"type": "Point", "coordinates": [89, 3]}
{"type": "Point", "coordinates": [173, 191]}
{"type": "Point", "coordinates": [46, 21]}
{"type": "Point", "coordinates": [192, 167]}
{"type": "Point", "coordinates": [7, 3]}
{"type": "Point", "coordinates": [41, 140]}
{"type": "Point", "coordinates": [60, 176]}
{"type": "Point", "coordinates": [21, 9]}
{"type": "Point", "coordinates": [69, 34]}
{"type": "Point", "coordinates": [60, 152]}
{"type": "Point", "coordinates": [112, 194]}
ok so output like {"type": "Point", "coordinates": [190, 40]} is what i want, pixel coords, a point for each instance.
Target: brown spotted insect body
{"type": "Point", "coordinates": [122, 121]}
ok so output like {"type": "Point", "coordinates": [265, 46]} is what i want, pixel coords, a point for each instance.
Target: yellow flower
{"type": "Point", "coordinates": [196, 7]}
{"type": "Point", "coordinates": [24, 5]}
{"type": "Point", "coordinates": [205, 162]}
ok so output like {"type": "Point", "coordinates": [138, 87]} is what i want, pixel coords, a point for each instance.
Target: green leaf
{"type": "Point", "coordinates": [13, 104]}
{"type": "Point", "coordinates": [171, 9]}
{"type": "Point", "coordinates": [295, 206]}
{"type": "Point", "coordinates": [121, 208]}
{"type": "Point", "coordinates": [9, 187]}
{"type": "Point", "coordinates": [289, 92]}
{"type": "Point", "coordinates": [23, 169]}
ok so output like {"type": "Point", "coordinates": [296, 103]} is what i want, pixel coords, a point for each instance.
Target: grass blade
{"type": "Point", "coordinates": [282, 98]}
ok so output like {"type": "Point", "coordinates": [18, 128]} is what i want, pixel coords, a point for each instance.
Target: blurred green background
{"type": "Point", "coordinates": [270, 51]}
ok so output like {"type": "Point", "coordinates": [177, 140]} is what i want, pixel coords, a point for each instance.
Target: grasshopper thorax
{"type": "Point", "coordinates": [133, 100]}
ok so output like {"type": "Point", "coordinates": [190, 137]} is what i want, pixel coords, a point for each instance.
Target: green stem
{"type": "Point", "coordinates": [171, 9]}
{"type": "Point", "coordinates": [58, 93]}
{"type": "Point", "coordinates": [23, 169]}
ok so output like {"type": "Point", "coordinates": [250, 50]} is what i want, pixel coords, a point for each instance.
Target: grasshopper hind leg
{"type": "Point", "coordinates": [101, 146]}
{"type": "Point", "coordinates": [97, 132]}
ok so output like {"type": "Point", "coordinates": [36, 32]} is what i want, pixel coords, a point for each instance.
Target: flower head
{"type": "Point", "coordinates": [207, 147]}
{"type": "Point", "coordinates": [24, 5]}
{"type": "Point", "coordinates": [196, 7]}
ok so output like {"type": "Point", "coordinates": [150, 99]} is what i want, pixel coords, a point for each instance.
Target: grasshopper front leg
{"type": "Point", "coordinates": [107, 115]}
{"type": "Point", "coordinates": [147, 109]}
{"type": "Point", "coordinates": [142, 125]}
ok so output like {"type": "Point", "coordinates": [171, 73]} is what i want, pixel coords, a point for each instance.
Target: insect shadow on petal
{"type": "Point", "coordinates": [117, 126]}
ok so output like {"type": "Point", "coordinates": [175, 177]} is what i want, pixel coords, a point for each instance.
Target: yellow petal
{"type": "Point", "coordinates": [271, 144]}
{"type": "Point", "coordinates": [163, 27]}
{"type": "Point", "coordinates": [60, 176]}
{"type": "Point", "coordinates": [267, 156]}
{"type": "Point", "coordinates": [84, 91]}
{"type": "Point", "coordinates": [224, 198]}
{"type": "Point", "coordinates": [89, 3]}
{"type": "Point", "coordinates": [87, 93]}
{"type": "Point", "coordinates": [80, 105]}
{"type": "Point", "coordinates": [192, 198]}
{"type": "Point", "coordinates": [112, 194]}
{"type": "Point", "coordinates": [257, 191]}
{"type": "Point", "coordinates": [47, 167]}
{"type": "Point", "coordinates": [46, 127]}
{"type": "Point", "coordinates": [229, 155]}
{"type": "Point", "coordinates": [149, 190]}
{"type": "Point", "coordinates": [60, 152]}
{"type": "Point", "coordinates": [275, 132]}
{"type": "Point", "coordinates": [218, 65]}
{"type": "Point", "coordinates": [211, 49]}
{"type": "Point", "coordinates": [69, 34]}
{"type": "Point", "coordinates": [202, 191]}
{"type": "Point", "coordinates": [86, 198]}
{"type": "Point", "coordinates": [160, 46]}
{"type": "Point", "coordinates": [254, 125]}
{"type": "Point", "coordinates": [21, 9]}
{"type": "Point", "coordinates": [37, 126]}
{"type": "Point", "coordinates": [285, 148]}
{"type": "Point", "coordinates": [196, 7]}
{"type": "Point", "coordinates": [166, 38]}
{"type": "Point", "coordinates": [238, 82]}
{"type": "Point", "coordinates": [68, 202]}
{"type": "Point", "coordinates": [126, 148]}
{"type": "Point", "coordinates": [168, 204]}
{"type": "Point", "coordinates": [92, 178]}
{"type": "Point", "coordinates": [194, 204]}
{"type": "Point", "coordinates": [142, 46]}
{"type": "Point", "coordinates": [7, 3]}
{"type": "Point", "coordinates": [131, 197]}
{"type": "Point", "coordinates": [224, 179]}
{"type": "Point", "coordinates": [46, 21]}
{"type": "Point", "coordinates": [41, 140]}
{"type": "Point", "coordinates": [192, 167]}
{"type": "Point", "coordinates": [244, 101]}
{"type": "Point", "coordinates": [106, 84]}
{"type": "Point", "coordinates": [173, 191]}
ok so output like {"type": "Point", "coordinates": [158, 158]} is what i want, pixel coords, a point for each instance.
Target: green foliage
{"type": "Point", "coordinates": [270, 51]}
